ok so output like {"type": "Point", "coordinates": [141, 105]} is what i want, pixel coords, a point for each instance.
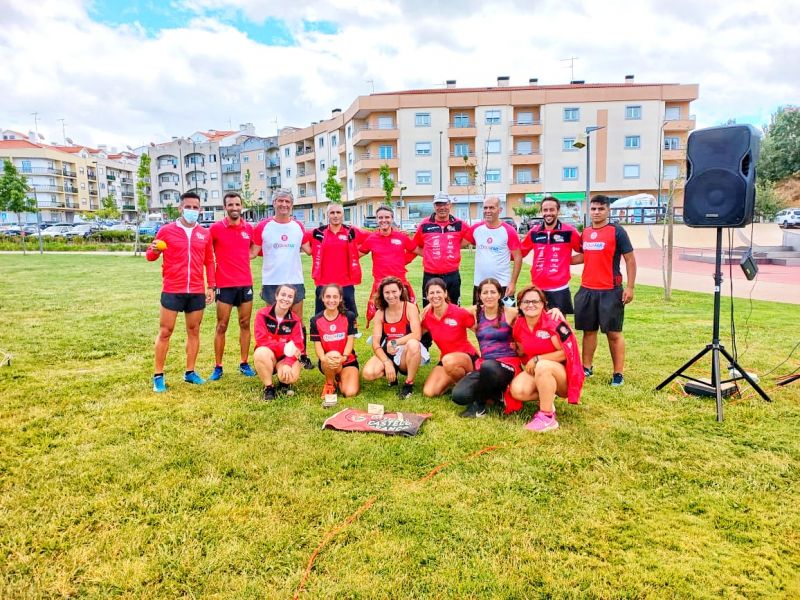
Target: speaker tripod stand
{"type": "Point", "coordinates": [716, 349]}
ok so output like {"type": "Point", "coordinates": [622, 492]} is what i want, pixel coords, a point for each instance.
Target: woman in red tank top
{"type": "Point", "coordinates": [395, 337]}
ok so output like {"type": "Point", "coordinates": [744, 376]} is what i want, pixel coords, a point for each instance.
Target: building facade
{"type": "Point", "coordinates": [515, 142]}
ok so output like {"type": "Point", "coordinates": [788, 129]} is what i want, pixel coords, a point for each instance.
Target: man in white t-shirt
{"type": "Point", "coordinates": [279, 239]}
{"type": "Point", "coordinates": [496, 245]}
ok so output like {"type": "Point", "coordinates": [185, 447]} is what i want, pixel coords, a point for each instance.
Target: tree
{"type": "Point", "coordinates": [388, 184]}
{"type": "Point", "coordinates": [109, 209]}
{"type": "Point", "coordinates": [142, 193]}
{"type": "Point", "coordinates": [172, 212]}
{"type": "Point", "coordinates": [767, 201]}
{"type": "Point", "coordinates": [14, 194]}
{"type": "Point", "coordinates": [780, 148]}
{"type": "Point", "coordinates": [332, 186]}
{"type": "Point", "coordinates": [247, 193]}
{"type": "Point", "coordinates": [527, 211]}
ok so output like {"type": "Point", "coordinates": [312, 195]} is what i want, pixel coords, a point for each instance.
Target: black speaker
{"type": "Point", "coordinates": [721, 176]}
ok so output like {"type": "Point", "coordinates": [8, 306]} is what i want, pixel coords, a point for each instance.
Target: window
{"type": "Point", "coordinates": [423, 177]}
{"type": "Point", "coordinates": [260, 156]}
{"type": "Point", "coordinates": [632, 141]}
{"type": "Point", "coordinates": [350, 184]}
{"type": "Point", "coordinates": [461, 178]}
{"type": "Point", "coordinates": [566, 144]}
{"type": "Point", "coordinates": [386, 152]}
{"type": "Point", "coordinates": [288, 172]}
{"type": "Point", "coordinates": [423, 148]}
{"type": "Point", "coordinates": [287, 151]}
{"type": "Point", "coordinates": [320, 142]}
{"type": "Point", "coordinates": [262, 175]}
{"type": "Point", "coordinates": [569, 173]}
{"type": "Point", "coordinates": [334, 139]}
{"type": "Point", "coordinates": [525, 147]}
{"type": "Point", "coordinates": [213, 176]}
{"type": "Point", "coordinates": [214, 193]}
{"type": "Point", "coordinates": [322, 166]}
{"type": "Point", "coordinates": [385, 123]}
{"type": "Point", "coordinates": [212, 158]}
{"type": "Point", "coordinates": [524, 176]}
{"type": "Point", "coordinates": [349, 158]}
{"type": "Point", "coordinates": [260, 194]}
{"type": "Point", "coordinates": [461, 150]}
{"type": "Point", "coordinates": [672, 113]}
{"type": "Point", "coordinates": [670, 172]}
{"type": "Point", "coordinates": [524, 118]}
{"type": "Point", "coordinates": [102, 186]}
{"type": "Point", "coordinates": [492, 117]}
{"type": "Point", "coordinates": [633, 112]}
{"type": "Point", "coordinates": [246, 158]}
{"type": "Point", "coordinates": [572, 114]}
{"type": "Point", "coordinates": [672, 143]}
{"type": "Point", "coordinates": [492, 146]}
{"type": "Point", "coordinates": [461, 120]}
{"type": "Point", "coordinates": [630, 171]}
{"type": "Point", "coordinates": [492, 175]}
{"type": "Point", "coordinates": [349, 132]}
{"type": "Point", "coordinates": [422, 120]}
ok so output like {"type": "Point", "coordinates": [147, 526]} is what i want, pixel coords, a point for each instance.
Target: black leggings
{"type": "Point", "coordinates": [487, 383]}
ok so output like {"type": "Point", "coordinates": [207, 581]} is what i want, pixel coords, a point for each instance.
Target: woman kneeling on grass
{"type": "Point", "coordinates": [499, 362]}
{"type": "Point", "coordinates": [448, 325]}
{"type": "Point", "coordinates": [551, 359]}
{"type": "Point", "coordinates": [396, 333]}
{"type": "Point", "coordinates": [333, 332]}
{"type": "Point", "coordinates": [279, 343]}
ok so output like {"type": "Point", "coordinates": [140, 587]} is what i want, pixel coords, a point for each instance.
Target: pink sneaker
{"type": "Point", "coordinates": [541, 422]}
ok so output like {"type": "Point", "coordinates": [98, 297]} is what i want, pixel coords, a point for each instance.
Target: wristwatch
{"type": "Point", "coordinates": [394, 344]}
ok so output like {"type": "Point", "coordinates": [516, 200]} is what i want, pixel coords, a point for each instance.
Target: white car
{"type": "Point", "coordinates": [55, 231]}
{"type": "Point", "coordinates": [789, 217]}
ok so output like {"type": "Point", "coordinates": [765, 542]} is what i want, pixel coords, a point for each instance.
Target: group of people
{"type": "Point", "coordinates": [526, 349]}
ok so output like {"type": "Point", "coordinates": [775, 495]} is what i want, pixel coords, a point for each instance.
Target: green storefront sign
{"type": "Point", "coordinates": [563, 196]}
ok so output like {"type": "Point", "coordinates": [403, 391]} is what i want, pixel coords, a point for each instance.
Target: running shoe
{"type": "Point", "coordinates": [306, 362]}
{"type": "Point", "coordinates": [328, 388]}
{"type": "Point", "coordinates": [268, 394]}
{"type": "Point", "coordinates": [245, 369]}
{"type": "Point", "coordinates": [216, 374]}
{"type": "Point", "coordinates": [193, 377]}
{"type": "Point", "coordinates": [588, 371]}
{"type": "Point", "coordinates": [617, 380]}
{"type": "Point", "coordinates": [285, 389]}
{"type": "Point", "coordinates": [474, 411]}
{"type": "Point", "coordinates": [406, 391]}
{"type": "Point", "coordinates": [159, 383]}
{"type": "Point", "coordinates": [542, 422]}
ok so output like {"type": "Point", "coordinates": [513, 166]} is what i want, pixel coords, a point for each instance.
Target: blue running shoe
{"type": "Point", "coordinates": [193, 377]}
{"type": "Point", "coordinates": [588, 371]}
{"type": "Point", "coordinates": [617, 380]}
{"type": "Point", "coordinates": [159, 383]}
{"type": "Point", "coordinates": [216, 374]}
{"type": "Point", "coordinates": [245, 369]}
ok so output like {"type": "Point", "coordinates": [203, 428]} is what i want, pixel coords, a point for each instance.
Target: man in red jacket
{"type": "Point", "coordinates": [185, 248]}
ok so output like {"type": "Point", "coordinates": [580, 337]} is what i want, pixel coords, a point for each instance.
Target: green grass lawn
{"type": "Point", "coordinates": [109, 490]}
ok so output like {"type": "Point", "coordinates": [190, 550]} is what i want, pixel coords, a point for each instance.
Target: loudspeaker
{"type": "Point", "coordinates": [721, 176]}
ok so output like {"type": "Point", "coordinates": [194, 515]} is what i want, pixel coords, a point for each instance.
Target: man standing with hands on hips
{"type": "Point", "coordinates": [231, 238]}
{"type": "Point", "coordinates": [185, 249]}
{"type": "Point", "coordinates": [600, 301]}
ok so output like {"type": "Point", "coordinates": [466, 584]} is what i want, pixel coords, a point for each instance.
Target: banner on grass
{"type": "Point", "coordinates": [351, 419]}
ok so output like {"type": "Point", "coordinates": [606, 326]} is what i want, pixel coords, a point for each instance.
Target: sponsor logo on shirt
{"type": "Point", "coordinates": [594, 245]}
{"type": "Point", "coordinates": [451, 322]}
{"type": "Point", "coordinates": [343, 238]}
{"type": "Point", "coordinates": [200, 236]}
{"type": "Point", "coordinates": [593, 235]}
{"type": "Point", "coordinates": [279, 245]}
{"type": "Point", "coordinates": [284, 237]}
{"type": "Point", "coordinates": [543, 335]}
{"type": "Point", "coordinates": [558, 238]}
{"type": "Point", "coordinates": [245, 236]}
{"type": "Point", "coordinates": [392, 329]}
{"type": "Point", "coordinates": [489, 240]}
{"type": "Point", "coordinates": [333, 337]}
{"type": "Point", "coordinates": [396, 242]}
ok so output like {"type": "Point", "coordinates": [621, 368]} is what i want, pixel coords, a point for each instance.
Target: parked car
{"type": "Point", "coordinates": [149, 227]}
{"type": "Point", "coordinates": [58, 231]}
{"type": "Point", "coordinates": [409, 226]}
{"type": "Point", "coordinates": [123, 227]}
{"type": "Point", "coordinates": [510, 221]}
{"type": "Point", "coordinates": [528, 223]}
{"type": "Point", "coordinates": [371, 222]}
{"type": "Point", "coordinates": [84, 230]}
{"type": "Point", "coordinates": [9, 230]}
{"type": "Point", "coordinates": [788, 218]}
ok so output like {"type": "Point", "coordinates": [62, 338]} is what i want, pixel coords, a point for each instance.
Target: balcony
{"type": "Point", "coordinates": [368, 191]}
{"type": "Point", "coordinates": [273, 163]}
{"type": "Point", "coordinates": [673, 153]}
{"type": "Point", "coordinates": [93, 191]}
{"type": "Point", "coordinates": [461, 188]}
{"type": "Point", "coordinates": [306, 155]}
{"type": "Point", "coordinates": [93, 206]}
{"type": "Point", "coordinates": [91, 175]}
{"type": "Point", "coordinates": [168, 183]}
{"type": "Point", "coordinates": [168, 164]}
{"type": "Point", "coordinates": [366, 134]}
{"type": "Point", "coordinates": [341, 148]}
{"type": "Point", "coordinates": [127, 194]}
{"type": "Point", "coordinates": [461, 129]}
{"type": "Point", "coordinates": [51, 204]}
{"type": "Point", "coordinates": [682, 124]}
{"type": "Point", "coordinates": [367, 162]}
{"type": "Point", "coordinates": [534, 157]}
{"type": "Point", "coordinates": [231, 168]}
{"type": "Point", "coordinates": [128, 207]}
{"type": "Point", "coordinates": [232, 185]}
{"type": "Point", "coordinates": [70, 190]}
{"type": "Point", "coordinates": [68, 173]}
{"type": "Point", "coordinates": [531, 186]}
{"type": "Point", "coordinates": [526, 128]}
{"type": "Point", "coordinates": [307, 177]}
{"type": "Point", "coordinates": [42, 187]}
{"type": "Point", "coordinates": [111, 177]}
{"type": "Point", "coordinates": [678, 183]}
{"type": "Point", "coordinates": [39, 171]}
{"type": "Point", "coordinates": [457, 160]}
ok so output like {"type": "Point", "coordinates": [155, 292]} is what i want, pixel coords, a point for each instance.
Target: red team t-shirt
{"type": "Point", "coordinates": [232, 253]}
{"type": "Point", "coordinates": [532, 341]}
{"type": "Point", "coordinates": [388, 254]}
{"type": "Point", "coordinates": [602, 250]}
{"type": "Point", "coordinates": [333, 334]}
{"type": "Point", "coordinates": [450, 332]}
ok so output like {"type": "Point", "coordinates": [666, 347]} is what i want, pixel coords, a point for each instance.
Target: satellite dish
{"type": "Point", "coordinates": [129, 148]}
{"type": "Point", "coordinates": [70, 141]}
{"type": "Point", "coordinates": [41, 137]}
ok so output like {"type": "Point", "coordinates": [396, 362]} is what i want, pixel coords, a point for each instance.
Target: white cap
{"type": "Point", "coordinates": [442, 197]}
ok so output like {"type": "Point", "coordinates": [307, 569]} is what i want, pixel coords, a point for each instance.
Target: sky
{"type": "Point", "coordinates": [127, 73]}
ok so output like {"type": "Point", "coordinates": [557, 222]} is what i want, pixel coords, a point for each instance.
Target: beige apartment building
{"type": "Point", "coordinates": [515, 142]}
{"type": "Point", "coordinates": [68, 181]}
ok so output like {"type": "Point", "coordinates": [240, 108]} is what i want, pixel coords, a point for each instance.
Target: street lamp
{"type": "Point", "coordinates": [584, 139]}
{"type": "Point", "coordinates": [402, 188]}
{"type": "Point", "coordinates": [441, 183]}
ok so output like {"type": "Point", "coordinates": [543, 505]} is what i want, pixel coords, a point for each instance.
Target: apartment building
{"type": "Point", "coordinates": [67, 181]}
{"type": "Point", "coordinates": [515, 142]}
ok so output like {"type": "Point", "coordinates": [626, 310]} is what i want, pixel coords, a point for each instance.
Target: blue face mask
{"type": "Point", "coordinates": [190, 215]}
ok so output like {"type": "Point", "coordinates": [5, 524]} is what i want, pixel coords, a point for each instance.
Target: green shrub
{"type": "Point", "coordinates": [113, 236]}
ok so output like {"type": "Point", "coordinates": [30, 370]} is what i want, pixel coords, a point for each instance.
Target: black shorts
{"type": "Point", "coordinates": [353, 363]}
{"type": "Point", "coordinates": [560, 299]}
{"type": "Point", "coordinates": [601, 309]}
{"type": "Point", "coordinates": [474, 358]}
{"type": "Point", "coordinates": [183, 302]}
{"type": "Point", "coordinates": [268, 292]}
{"type": "Point", "coordinates": [476, 293]}
{"type": "Point", "coordinates": [235, 296]}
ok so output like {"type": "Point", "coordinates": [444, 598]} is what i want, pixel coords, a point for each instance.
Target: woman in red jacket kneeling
{"type": "Point", "coordinates": [279, 343]}
{"type": "Point", "coordinates": [551, 359]}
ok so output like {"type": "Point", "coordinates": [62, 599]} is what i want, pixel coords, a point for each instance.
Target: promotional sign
{"type": "Point", "coordinates": [350, 419]}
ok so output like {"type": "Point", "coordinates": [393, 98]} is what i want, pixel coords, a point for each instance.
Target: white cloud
{"type": "Point", "coordinates": [123, 85]}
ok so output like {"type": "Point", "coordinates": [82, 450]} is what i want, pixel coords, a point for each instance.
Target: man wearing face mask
{"type": "Point", "coordinates": [185, 249]}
